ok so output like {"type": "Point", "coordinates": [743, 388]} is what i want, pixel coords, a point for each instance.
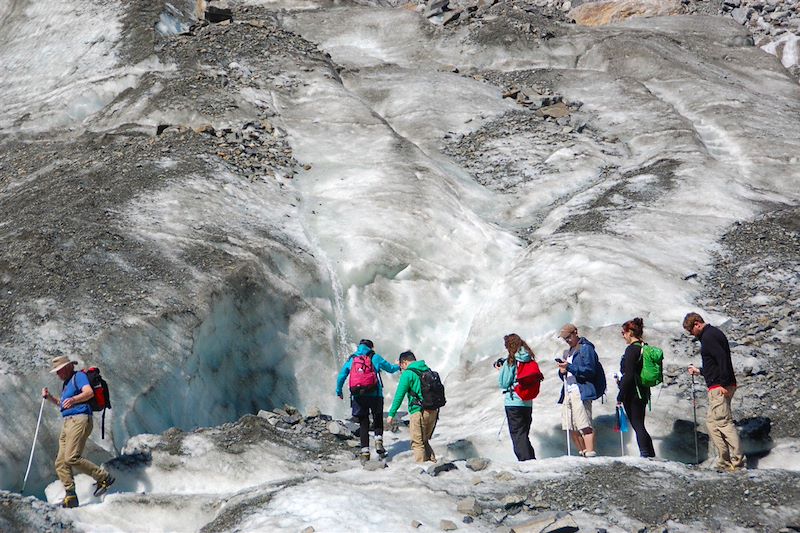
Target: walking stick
{"type": "Point", "coordinates": [500, 429]}
{"type": "Point", "coordinates": [33, 446]}
{"type": "Point", "coordinates": [694, 413]}
{"type": "Point", "coordinates": [569, 451]}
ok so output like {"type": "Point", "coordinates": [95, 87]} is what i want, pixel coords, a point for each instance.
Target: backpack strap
{"type": "Point", "coordinates": [417, 399]}
{"type": "Point", "coordinates": [510, 388]}
{"type": "Point", "coordinates": [371, 355]}
{"type": "Point", "coordinates": [637, 379]}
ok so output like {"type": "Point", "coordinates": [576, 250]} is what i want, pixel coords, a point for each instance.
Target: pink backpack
{"type": "Point", "coordinates": [363, 378]}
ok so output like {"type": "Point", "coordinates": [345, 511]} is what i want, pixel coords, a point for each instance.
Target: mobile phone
{"type": "Point", "coordinates": [559, 361]}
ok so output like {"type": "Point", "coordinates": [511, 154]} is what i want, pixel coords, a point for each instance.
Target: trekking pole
{"type": "Point", "coordinates": [500, 429]}
{"type": "Point", "coordinates": [33, 446]}
{"type": "Point", "coordinates": [569, 451]}
{"type": "Point", "coordinates": [694, 413]}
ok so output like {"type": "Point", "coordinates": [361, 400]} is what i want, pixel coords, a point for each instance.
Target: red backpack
{"type": "Point", "coordinates": [363, 378]}
{"type": "Point", "coordinates": [529, 379]}
{"type": "Point", "coordinates": [102, 398]}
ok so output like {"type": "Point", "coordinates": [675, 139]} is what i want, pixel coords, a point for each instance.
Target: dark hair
{"type": "Point", "coordinates": [691, 319]}
{"type": "Point", "coordinates": [367, 343]}
{"type": "Point", "coordinates": [407, 356]}
{"type": "Point", "coordinates": [635, 326]}
{"type": "Point", "coordinates": [513, 343]}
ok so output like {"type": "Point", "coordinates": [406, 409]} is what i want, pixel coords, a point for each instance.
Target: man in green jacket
{"type": "Point", "coordinates": [423, 421]}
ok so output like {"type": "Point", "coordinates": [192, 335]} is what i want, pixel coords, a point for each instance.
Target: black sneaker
{"type": "Point", "coordinates": [70, 500]}
{"type": "Point", "coordinates": [102, 486]}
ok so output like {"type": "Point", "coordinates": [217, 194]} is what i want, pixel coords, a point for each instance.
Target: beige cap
{"type": "Point", "coordinates": [60, 362]}
{"type": "Point", "coordinates": [567, 330]}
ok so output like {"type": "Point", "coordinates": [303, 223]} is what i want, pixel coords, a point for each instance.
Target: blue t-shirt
{"type": "Point", "coordinates": [73, 388]}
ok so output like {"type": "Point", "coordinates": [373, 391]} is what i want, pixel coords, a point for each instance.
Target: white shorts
{"type": "Point", "coordinates": [576, 414]}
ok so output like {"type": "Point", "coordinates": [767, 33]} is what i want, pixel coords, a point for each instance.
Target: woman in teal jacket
{"type": "Point", "coordinates": [518, 411]}
{"type": "Point", "coordinates": [368, 402]}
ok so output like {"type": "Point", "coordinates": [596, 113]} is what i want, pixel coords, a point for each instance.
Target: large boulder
{"type": "Point", "coordinates": [612, 11]}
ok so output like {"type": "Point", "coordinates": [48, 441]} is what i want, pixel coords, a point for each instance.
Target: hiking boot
{"type": "Point", "coordinates": [364, 456]}
{"type": "Point", "coordinates": [590, 454]}
{"type": "Point", "coordinates": [70, 500]}
{"type": "Point", "coordinates": [102, 486]}
{"type": "Point", "coordinates": [379, 449]}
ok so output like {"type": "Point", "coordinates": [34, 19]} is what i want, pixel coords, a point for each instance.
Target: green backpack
{"type": "Point", "coordinates": [652, 366]}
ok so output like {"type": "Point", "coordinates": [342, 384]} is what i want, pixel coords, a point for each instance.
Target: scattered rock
{"type": "Point", "coordinates": [461, 449]}
{"type": "Point", "coordinates": [548, 523]}
{"type": "Point", "coordinates": [512, 500]}
{"type": "Point", "coordinates": [436, 7]}
{"type": "Point", "coordinates": [447, 525]}
{"type": "Point", "coordinates": [476, 464]}
{"type": "Point", "coordinates": [468, 506]}
{"type": "Point", "coordinates": [556, 111]}
{"type": "Point", "coordinates": [437, 469]}
{"type": "Point", "coordinates": [216, 11]}
{"type": "Point", "coordinates": [450, 16]}
{"type": "Point", "coordinates": [505, 476]}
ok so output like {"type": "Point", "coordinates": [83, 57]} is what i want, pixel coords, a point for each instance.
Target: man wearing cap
{"type": "Point", "coordinates": [578, 369]}
{"type": "Point", "coordinates": [369, 400]}
{"type": "Point", "coordinates": [77, 413]}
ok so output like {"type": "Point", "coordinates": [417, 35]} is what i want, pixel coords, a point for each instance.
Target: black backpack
{"type": "Point", "coordinates": [101, 399]}
{"type": "Point", "coordinates": [432, 390]}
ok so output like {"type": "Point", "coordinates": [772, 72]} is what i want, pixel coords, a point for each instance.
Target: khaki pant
{"type": "Point", "coordinates": [719, 421]}
{"type": "Point", "coordinates": [421, 428]}
{"type": "Point", "coordinates": [73, 438]}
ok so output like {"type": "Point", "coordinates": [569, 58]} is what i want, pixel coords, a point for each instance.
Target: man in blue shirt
{"type": "Point", "coordinates": [77, 413]}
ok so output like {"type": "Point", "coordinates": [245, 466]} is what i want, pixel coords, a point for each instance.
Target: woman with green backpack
{"type": "Point", "coordinates": [633, 395]}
